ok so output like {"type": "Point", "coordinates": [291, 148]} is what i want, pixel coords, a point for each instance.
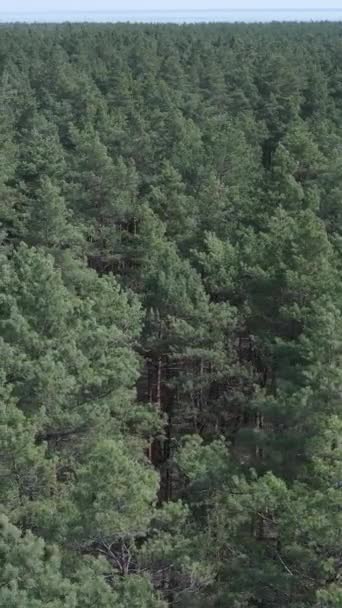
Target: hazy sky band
{"type": "Point", "coordinates": [141, 5]}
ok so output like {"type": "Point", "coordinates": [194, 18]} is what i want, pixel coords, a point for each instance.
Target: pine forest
{"type": "Point", "coordinates": [171, 316]}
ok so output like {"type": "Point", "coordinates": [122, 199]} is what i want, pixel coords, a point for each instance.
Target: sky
{"type": "Point", "coordinates": [107, 5]}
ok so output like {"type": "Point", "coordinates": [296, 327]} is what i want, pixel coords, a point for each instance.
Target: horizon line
{"type": "Point", "coordinates": [173, 10]}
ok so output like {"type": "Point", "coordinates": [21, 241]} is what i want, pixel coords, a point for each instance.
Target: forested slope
{"type": "Point", "coordinates": [171, 316]}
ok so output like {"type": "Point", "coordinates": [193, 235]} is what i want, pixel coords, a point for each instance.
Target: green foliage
{"type": "Point", "coordinates": [114, 493]}
{"type": "Point", "coordinates": [170, 316]}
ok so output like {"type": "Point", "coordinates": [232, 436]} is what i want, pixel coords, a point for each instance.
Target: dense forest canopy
{"type": "Point", "coordinates": [171, 316]}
